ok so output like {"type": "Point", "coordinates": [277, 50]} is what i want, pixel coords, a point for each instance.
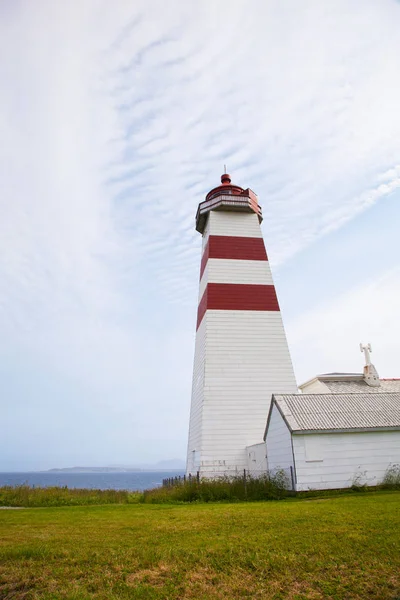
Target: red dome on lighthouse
{"type": "Point", "coordinates": [227, 197]}
{"type": "Point", "coordinates": [226, 187]}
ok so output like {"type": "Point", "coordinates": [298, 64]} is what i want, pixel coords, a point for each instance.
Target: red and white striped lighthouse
{"type": "Point", "coordinates": [241, 352]}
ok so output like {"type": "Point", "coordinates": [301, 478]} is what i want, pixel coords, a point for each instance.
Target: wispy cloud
{"type": "Point", "coordinates": [332, 332]}
{"type": "Point", "coordinates": [116, 120]}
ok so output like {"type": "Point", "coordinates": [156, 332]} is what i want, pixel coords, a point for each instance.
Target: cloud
{"type": "Point", "coordinates": [115, 121]}
{"type": "Point", "coordinates": [331, 333]}
{"type": "Point", "coordinates": [289, 107]}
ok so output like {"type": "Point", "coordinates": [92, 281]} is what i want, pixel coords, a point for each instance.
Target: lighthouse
{"type": "Point", "coordinates": [241, 352]}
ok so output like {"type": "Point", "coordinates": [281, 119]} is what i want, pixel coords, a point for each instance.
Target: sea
{"type": "Point", "coordinates": [132, 481]}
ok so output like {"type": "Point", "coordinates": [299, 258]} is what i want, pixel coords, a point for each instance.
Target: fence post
{"type": "Point", "coordinates": [198, 477]}
{"type": "Point", "coordinates": [184, 479]}
{"type": "Point", "coordinates": [245, 483]}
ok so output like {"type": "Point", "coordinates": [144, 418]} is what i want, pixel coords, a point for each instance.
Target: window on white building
{"type": "Point", "coordinates": [313, 449]}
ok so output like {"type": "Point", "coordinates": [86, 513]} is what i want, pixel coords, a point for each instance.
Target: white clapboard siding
{"type": "Point", "coordinates": [242, 372]}
{"type": "Point", "coordinates": [337, 460]}
{"type": "Point", "coordinates": [279, 443]}
{"type": "Point", "coordinates": [237, 224]}
{"type": "Point", "coordinates": [220, 270]}
{"type": "Point", "coordinates": [206, 234]}
{"type": "Point", "coordinates": [257, 459]}
{"type": "Point", "coordinates": [195, 422]}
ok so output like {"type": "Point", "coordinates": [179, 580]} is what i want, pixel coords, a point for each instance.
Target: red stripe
{"type": "Point", "coordinates": [201, 311]}
{"type": "Point", "coordinates": [239, 248]}
{"type": "Point", "coordinates": [204, 258]}
{"type": "Point", "coordinates": [233, 247]}
{"type": "Point", "coordinates": [237, 296]}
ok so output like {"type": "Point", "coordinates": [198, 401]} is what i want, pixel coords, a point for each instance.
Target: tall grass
{"type": "Point", "coordinates": [391, 480]}
{"type": "Point", "coordinates": [229, 489]}
{"type": "Point", "coordinates": [221, 489]}
{"type": "Point", "coordinates": [25, 496]}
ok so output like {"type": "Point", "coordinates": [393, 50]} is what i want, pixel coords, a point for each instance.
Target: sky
{"type": "Point", "coordinates": [116, 119]}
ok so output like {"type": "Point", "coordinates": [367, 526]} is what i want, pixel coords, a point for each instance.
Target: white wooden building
{"type": "Point", "coordinates": [334, 440]}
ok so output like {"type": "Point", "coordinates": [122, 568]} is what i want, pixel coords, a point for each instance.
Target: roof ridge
{"type": "Point", "coordinates": [301, 395]}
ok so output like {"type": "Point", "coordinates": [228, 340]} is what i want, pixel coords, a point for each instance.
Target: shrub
{"type": "Point", "coordinates": [359, 482]}
{"type": "Point", "coordinates": [391, 480]}
{"type": "Point", "coordinates": [224, 488]}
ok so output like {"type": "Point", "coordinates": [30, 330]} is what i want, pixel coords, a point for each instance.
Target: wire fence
{"type": "Point", "coordinates": [282, 477]}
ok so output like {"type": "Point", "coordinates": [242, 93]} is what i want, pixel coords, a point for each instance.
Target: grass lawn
{"type": "Point", "coordinates": [336, 548]}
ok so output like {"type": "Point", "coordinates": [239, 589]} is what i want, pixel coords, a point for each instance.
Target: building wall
{"type": "Point", "coordinates": [241, 373]}
{"type": "Point", "coordinates": [233, 223]}
{"type": "Point", "coordinates": [315, 387]}
{"type": "Point", "coordinates": [244, 352]}
{"type": "Point", "coordinates": [257, 459]}
{"type": "Point", "coordinates": [196, 408]}
{"type": "Point", "coordinates": [220, 270]}
{"type": "Point", "coordinates": [337, 460]}
{"type": "Point", "coordinates": [279, 443]}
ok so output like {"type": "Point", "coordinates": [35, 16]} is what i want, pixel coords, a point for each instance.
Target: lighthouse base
{"type": "Point", "coordinates": [212, 469]}
{"type": "Point", "coordinates": [236, 371]}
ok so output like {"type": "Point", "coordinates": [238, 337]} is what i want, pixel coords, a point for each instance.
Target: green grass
{"type": "Point", "coordinates": [344, 548]}
{"type": "Point", "coordinates": [24, 495]}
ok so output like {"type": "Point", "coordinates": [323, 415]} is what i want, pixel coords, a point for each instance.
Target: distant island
{"type": "Point", "coordinates": [94, 470]}
{"type": "Point", "coordinates": [174, 464]}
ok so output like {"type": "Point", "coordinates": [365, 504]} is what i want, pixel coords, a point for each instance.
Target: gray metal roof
{"type": "Point", "coordinates": [327, 412]}
{"type": "Point", "coordinates": [345, 387]}
{"type": "Point", "coordinates": [337, 374]}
